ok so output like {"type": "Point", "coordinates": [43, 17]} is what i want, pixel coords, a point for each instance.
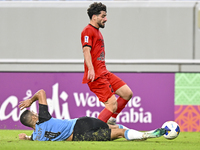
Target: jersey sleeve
{"type": "Point", "coordinates": [44, 114]}
{"type": "Point", "coordinates": [32, 137]}
{"type": "Point", "coordinates": [86, 37]}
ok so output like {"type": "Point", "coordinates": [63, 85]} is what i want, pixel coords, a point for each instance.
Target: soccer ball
{"type": "Point", "coordinates": [172, 128]}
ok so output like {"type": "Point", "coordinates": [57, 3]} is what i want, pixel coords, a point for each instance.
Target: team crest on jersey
{"type": "Point", "coordinates": [86, 39]}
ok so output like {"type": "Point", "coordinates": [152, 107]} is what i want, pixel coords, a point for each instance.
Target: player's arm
{"type": "Point", "coordinates": [88, 61]}
{"type": "Point", "coordinates": [40, 96]}
{"type": "Point", "coordinates": [23, 136]}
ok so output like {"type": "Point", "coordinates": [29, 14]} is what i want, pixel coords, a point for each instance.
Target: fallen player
{"type": "Point", "coordinates": [47, 128]}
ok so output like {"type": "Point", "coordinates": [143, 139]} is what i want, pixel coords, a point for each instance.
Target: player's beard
{"type": "Point", "coordinates": [101, 25]}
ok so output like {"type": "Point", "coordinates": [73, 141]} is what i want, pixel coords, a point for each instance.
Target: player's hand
{"type": "Point", "coordinates": [25, 104]}
{"type": "Point", "coordinates": [22, 136]}
{"type": "Point", "coordinates": [91, 75]}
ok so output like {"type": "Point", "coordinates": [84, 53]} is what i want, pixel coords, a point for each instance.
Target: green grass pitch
{"type": "Point", "coordinates": [185, 141]}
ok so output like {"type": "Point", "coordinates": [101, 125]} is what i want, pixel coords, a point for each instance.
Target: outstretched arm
{"type": "Point", "coordinates": [40, 96]}
{"type": "Point", "coordinates": [23, 136]}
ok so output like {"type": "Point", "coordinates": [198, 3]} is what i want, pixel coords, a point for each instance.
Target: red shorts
{"type": "Point", "coordinates": [105, 86]}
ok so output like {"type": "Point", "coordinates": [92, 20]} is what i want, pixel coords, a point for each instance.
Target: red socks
{"type": "Point", "coordinates": [104, 115]}
{"type": "Point", "coordinates": [121, 104]}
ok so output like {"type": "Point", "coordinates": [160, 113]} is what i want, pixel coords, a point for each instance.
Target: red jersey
{"type": "Point", "coordinates": [92, 37]}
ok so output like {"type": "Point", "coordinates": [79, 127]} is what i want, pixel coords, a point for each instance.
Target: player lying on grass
{"type": "Point", "coordinates": [47, 128]}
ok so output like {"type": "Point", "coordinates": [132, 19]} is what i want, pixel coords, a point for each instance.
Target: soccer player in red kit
{"type": "Point", "coordinates": [100, 81]}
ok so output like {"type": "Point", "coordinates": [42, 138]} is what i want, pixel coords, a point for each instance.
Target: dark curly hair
{"type": "Point", "coordinates": [95, 9]}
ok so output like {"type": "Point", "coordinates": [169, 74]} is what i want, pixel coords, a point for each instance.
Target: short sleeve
{"type": "Point", "coordinates": [32, 137]}
{"type": "Point", "coordinates": [86, 37]}
{"type": "Point", "coordinates": [44, 114]}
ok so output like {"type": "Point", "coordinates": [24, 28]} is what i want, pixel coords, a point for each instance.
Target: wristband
{"type": "Point", "coordinates": [27, 137]}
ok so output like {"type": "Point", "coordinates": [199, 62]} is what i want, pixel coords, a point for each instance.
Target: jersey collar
{"type": "Point", "coordinates": [94, 26]}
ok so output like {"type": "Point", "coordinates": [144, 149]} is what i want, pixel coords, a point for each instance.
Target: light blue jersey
{"type": "Point", "coordinates": [54, 130]}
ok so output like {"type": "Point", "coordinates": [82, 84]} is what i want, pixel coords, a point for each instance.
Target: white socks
{"type": "Point", "coordinates": [122, 126]}
{"type": "Point", "coordinates": [133, 135]}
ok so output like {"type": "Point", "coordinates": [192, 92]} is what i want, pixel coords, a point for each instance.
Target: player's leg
{"type": "Point", "coordinates": [112, 134]}
{"type": "Point", "coordinates": [131, 134]}
{"type": "Point", "coordinates": [110, 108]}
{"type": "Point", "coordinates": [122, 89]}
{"type": "Point", "coordinates": [117, 126]}
{"type": "Point", "coordinates": [125, 95]}
{"type": "Point", "coordinates": [103, 90]}
{"type": "Point", "coordinates": [124, 92]}
{"type": "Point", "coordinates": [117, 133]}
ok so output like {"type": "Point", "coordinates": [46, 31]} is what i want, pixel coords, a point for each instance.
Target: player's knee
{"type": "Point", "coordinates": [125, 92]}
{"type": "Point", "coordinates": [130, 95]}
